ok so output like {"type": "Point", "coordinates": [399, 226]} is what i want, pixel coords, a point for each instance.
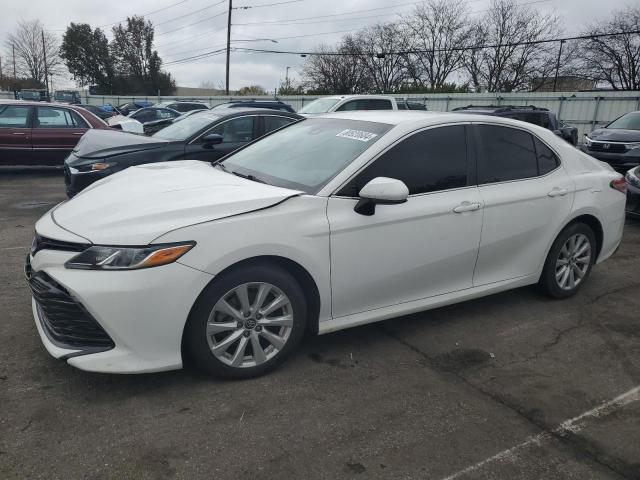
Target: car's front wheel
{"type": "Point", "coordinates": [569, 261]}
{"type": "Point", "coordinates": [246, 322]}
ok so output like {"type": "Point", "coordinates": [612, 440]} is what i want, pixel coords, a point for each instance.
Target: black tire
{"type": "Point", "coordinates": [196, 342]}
{"type": "Point", "coordinates": [548, 283]}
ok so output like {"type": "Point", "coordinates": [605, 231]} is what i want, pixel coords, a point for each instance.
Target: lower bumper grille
{"type": "Point", "coordinates": [65, 321]}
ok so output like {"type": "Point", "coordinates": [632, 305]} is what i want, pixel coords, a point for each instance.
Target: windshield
{"type": "Point", "coordinates": [306, 155]}
{"type": "Point", "coordinates": [322, 105]}
{"type": "Point", "coordinates": [65, 96]}
{"type": "Point", "coordinates": [629, 121]}
{"type": "Point", "coordinates": [186, 128]}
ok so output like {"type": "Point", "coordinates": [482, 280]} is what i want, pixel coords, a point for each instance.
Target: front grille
{"type": "Point", "coordinates": [612, 147]}
{"type": "Point", "coordinates": [65, 321]}
{"type": "Point", "coordinates": [44, 243]}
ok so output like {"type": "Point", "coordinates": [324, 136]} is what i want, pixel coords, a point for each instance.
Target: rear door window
{"type": "Point", "coordinates": [52, 117]}
{"type": "Point", "coordinates": [505, 154]}
{"type": "Point", "coordinates": [272, 122]}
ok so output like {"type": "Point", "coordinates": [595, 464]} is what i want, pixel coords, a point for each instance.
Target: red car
{"type": "Point", "coordinates": [36, 133]}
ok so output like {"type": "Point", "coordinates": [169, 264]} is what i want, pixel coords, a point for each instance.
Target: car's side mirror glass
{"type": "Point", "coordinates": [383, 191]}
{"type": "Point", "coordinates": [212, 139]}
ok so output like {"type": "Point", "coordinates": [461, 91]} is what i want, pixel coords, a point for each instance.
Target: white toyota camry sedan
{"type": "Point", "coordinates": [332, 222]}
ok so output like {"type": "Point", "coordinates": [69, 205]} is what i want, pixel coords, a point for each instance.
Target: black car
{"type": "Point", "coordinates": [633, 192]}
{"type": "Point", "coordinates": [97, 111]}
{"type": "Point", "coordinates": [205, 135]}
{"type": "Point", "coordinates": [527, 113]}
{"type": "Point", "coordinates": [618, 143]}
{"type": "Point", "coordinates": [271, 104]}
{"type": "Point", "coordinates": [183, 107]}
{"type": "Point", "coordinates": [126, 108]}
{"type": "Point", "coordinates": [150, 114]}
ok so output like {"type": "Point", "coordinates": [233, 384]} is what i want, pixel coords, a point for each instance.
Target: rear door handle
{"type": "Point", "coordinates": [558, 192]}
{"type": "Point", "coordinates": [467, 207]}
{"type": "Point", "coordinates": [19, 133]}
{"type": "Point", "coordinates": [78, 133]}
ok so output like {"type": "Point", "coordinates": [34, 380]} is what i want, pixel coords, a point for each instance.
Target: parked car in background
{"type": "Point", "coordinates": [71, 97]}
{"type": "Point", "coordinates": [98, 112]}
{"type": "Point", "coordinates": [135, 121]}
{"type": "Point", "coordinates": [154, 126]}
{"type": "Point", "coordinates": [33, 133]}
{"type": "Point", "coordinates": [183, 107]}
{"type": "Point", "coordinates": [34, 95]}
{"type": "Point", "coordinates": [329, 223]}
{"type": "Point", "coordinates": [406, 104]}
{"type": "Point", "coordinates": [126, 108]}
{"type": "Point", "coordinates": [527, 113]}
{"type": "Point", "coordinates": [345, 103]}
{"type": "Point", "coordinates": [618, 143]}
{"type": "Point", "coordinates": [633, 192]}
{"type": "Point", "coordinates": [271, 104]}
{"type": "Point", "coordinates": [205, 135]}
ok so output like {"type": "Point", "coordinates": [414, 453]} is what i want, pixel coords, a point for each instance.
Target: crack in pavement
{"type": "Point", "coordinates": [581, 447]}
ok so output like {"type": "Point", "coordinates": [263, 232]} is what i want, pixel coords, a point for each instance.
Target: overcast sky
{"type": "Point", "coordinates": [176, 39]}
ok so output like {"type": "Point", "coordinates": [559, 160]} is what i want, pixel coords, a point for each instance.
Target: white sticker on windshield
{"type": "Point", "coordinates": [360, 135]}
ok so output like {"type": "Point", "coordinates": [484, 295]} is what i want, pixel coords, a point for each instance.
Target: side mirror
{"type": "Point", "coordinates": [558, 133]}
{"type": "Point", "coordinates": [211, 139]}
{"type": "Point", "coordinates": [383, 191]}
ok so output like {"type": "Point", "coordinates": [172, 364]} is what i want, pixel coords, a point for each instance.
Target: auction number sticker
{"type": "Point", "coordinates": [359, 135]}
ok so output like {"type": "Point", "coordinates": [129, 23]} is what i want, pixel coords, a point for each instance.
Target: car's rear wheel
{"type": "Point", "coordinates": [247, 322]}
{"type": "Point", "coordinates": [569, 262]}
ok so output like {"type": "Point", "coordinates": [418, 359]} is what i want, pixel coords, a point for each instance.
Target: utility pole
{"type": "Point", "coordinates": [555, 78]}
{"type": "Point", "coordinates": [286, 77]}
{"type": "Point", "coordinates": [228, 45]}
{"type": "Point", "coordinates": [46, 73]}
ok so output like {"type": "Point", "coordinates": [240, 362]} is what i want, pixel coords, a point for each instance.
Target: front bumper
{"type": "Point", "coordinates": [142, 312]}
{"type": "Point", "coordinates": [619, 161]}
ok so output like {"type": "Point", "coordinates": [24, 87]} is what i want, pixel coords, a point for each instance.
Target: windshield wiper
{"type": "Point", "coordinates": [222, 167]}
{"type": "Point", "coordinates": [253, 178]}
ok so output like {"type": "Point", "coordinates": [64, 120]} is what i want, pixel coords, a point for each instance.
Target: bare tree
{"type": "Point", "coordinates": [614, 60]}
{"type": "Point", "coordinates": [29, 52]}
{"type": "Point", "coordinates": [503, 54]}
{"type": "Point", "coordinates": [340, 74]}
{"type": "Point", "coordinates": [380, 48]}
{"type": "Point", "coordinates": [439, 31]}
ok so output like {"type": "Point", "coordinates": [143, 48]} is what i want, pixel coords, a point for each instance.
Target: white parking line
{"type": "Point", "coordinates": [13, 248]}
{"type": "Point", "coordinates": [573, 425]}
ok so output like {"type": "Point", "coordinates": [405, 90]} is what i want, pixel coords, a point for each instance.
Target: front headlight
{"type": "Point", "coordinates": [632, 177]}
{"type": "Point", "coordinates": [94, 167]}
{"type": "Point", "coordinates": [128, 258]}
{"type": "Point", "coordinates": [632, 146]}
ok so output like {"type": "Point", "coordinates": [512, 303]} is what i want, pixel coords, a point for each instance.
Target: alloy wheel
{"type": "Point", "coordinates": [573, 261]}
{"type": "Point", "coordinates": [249, 324]}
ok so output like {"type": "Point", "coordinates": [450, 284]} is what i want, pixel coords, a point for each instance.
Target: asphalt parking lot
{"type": "Point", "coordinates": [512, 386]}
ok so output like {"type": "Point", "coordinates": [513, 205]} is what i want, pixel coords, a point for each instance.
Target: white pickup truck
{"type": "Point", "coordinates": [340, 103]}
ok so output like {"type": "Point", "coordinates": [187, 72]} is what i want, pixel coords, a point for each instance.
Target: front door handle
{"type": "Point", "coordinates": [467, 207]}
{"type": "Point", "coordinates": [19, 133]}
{"type": "Point", "coordinates": [558, 192]}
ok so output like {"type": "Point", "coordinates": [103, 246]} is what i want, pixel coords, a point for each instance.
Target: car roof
{"type": "Point", "coordinates": [417, 117]}
{"type": "Point", "coordinates": [35, 103]}
{"type": "Point", "coordinates": [339, 97]}
{"type": "Point", "coordinates": [225, 112]}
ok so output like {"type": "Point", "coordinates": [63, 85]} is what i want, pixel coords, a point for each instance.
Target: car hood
{"type": "Point", "coordinates": [615, 135]}
{"type": "Point", "coordinates": [106, 143]}
{"type": "Point", "coordinates": [141, 203]}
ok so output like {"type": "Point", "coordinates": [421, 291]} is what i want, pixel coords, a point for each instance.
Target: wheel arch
{"type": "Point", "coordinates": [593, 223]}
{"type": "Point", "coordinates": [302, 276]}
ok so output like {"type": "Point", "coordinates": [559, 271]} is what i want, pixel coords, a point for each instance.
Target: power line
{"type": "Point", "coordinates": [191, 13]}
{"type": "Point", "coordinates": [197, 57]}
{"type": "Point", "coordinates": [147, 14]}
{"type": "Point", "coordinates": [247, 7]}
{"type": "Point", "coordinates": [475, 47]}
{"type": "Point", "coordinates": [192, 24]}
{"type": "Point", "coordinates": [319, 21]}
